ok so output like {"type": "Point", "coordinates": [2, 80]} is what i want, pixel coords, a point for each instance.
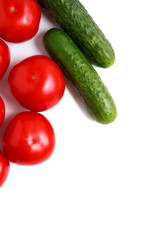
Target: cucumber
{"type": "Point", "coordinates": [80, 26]}
{"type": "Point", "coordinates": [81, 74]}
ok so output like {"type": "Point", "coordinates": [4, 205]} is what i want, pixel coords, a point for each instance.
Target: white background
{"type": "Point", "coordinates": [102, 181]}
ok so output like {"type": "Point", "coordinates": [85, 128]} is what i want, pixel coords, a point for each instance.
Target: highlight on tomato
{"type": "Point", "coordinates": [4, 168]}
{"type": "Point", "coordinates": [19, 20]}
{"type": "Point", "coordinates": [2, 111]}
{"type": "Point", "coordinates": [29, 139]}
{"type": "Point", "coordinates": [37, 83]}
{"type": "Point", "coordinates": [4, 58]}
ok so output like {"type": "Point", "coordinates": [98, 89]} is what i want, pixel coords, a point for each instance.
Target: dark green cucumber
{"type": "Point", "coordinates": [80, 26]}
{"type": "Point", "coordinates": [81, 74]}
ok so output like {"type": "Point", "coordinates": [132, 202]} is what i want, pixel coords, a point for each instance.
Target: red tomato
{"type": "Point", "coordinates": [19, 20]}
{"type": "Point", "coordinates": [2, 111]}
{"type": "Point", "coordinates": [4, 58]}
{"type": "Point", "coordinates": [4, 168]}
{"type": "Point", "coordinates": [37, 83]}
{"type": "Point", "coordinates": [29, 139]}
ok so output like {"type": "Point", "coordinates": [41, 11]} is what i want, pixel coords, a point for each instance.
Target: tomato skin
{"type": "Point", "coordinates": [29, 139]}
{"type": "Point", "coordinates": [2, 111]}
{"type": "Point", "coordinates": [4, 58]}
{"type": "Point", "coordinates": [37, 83]}
{"type": "Point", "coordinates": [4, 168]}
{"type": "Point", "coordinates": [19, 20]}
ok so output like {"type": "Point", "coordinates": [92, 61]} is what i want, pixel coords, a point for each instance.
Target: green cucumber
{"type": "Point", "coordinates": [80, 26]}
{"type": "Point", "coordinates": [81, 74]}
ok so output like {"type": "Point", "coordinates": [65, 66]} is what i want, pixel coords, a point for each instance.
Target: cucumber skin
{"type": "Point", "coordinates": [81, 74]}
{"type": "Point", "coordinates": [80, 26]}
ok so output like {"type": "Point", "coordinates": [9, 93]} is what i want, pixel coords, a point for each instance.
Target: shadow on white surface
{"type": "Point", "coordinates": [38, 42]}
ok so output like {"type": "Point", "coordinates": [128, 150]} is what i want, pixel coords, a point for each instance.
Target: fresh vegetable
{"type": "Point", "coordinates": [19, 20]}
{"type": "Point", "coordinates": [4, 57]}
{"type": "Point", "coordinates": [82, 75]}
{"type": "Point", "coordinates": [37, 83]}
{"type": "Point", "coordinates": [4, 168]}
{"type": "Point", "coordinates": [29, 139]}
{"type": "Point", "coordinates": [2, 111]}
{"type": "Point", "coordinates": [75, 20]}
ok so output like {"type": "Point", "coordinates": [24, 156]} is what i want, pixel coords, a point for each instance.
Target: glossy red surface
{"type": "Point", "coordinates": [2, 111]}
{"type": "Point", "coordinates": [4, 168]}
{"type": "Point", "coordinates": [29, 139]}
{"type": "Point", "coordinates": [37, 83]}
{"type": "Point", "coordinates": [4, 58]}
{"type": "Point", "coordinates": [19, 20]}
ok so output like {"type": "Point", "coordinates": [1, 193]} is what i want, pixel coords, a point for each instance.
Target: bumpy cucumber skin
{"type": "Point", "coordinates": [75, 20]}
{"type": "Point", "coordinates": [81, 74]}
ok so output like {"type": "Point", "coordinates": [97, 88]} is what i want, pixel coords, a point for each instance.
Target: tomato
{"type": "Point", "coordinates": [2, 111]}
{"type": "Point", "coordinates": [4, 168]}
{"type": "Point", "coordinates": [37, 83]}
{"type": "Point", "coordinates": [29, 139]}
{"type": "Point", "coordinates": [19, 20]}
{"type": "Point", "coordinates": [4, 58]}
